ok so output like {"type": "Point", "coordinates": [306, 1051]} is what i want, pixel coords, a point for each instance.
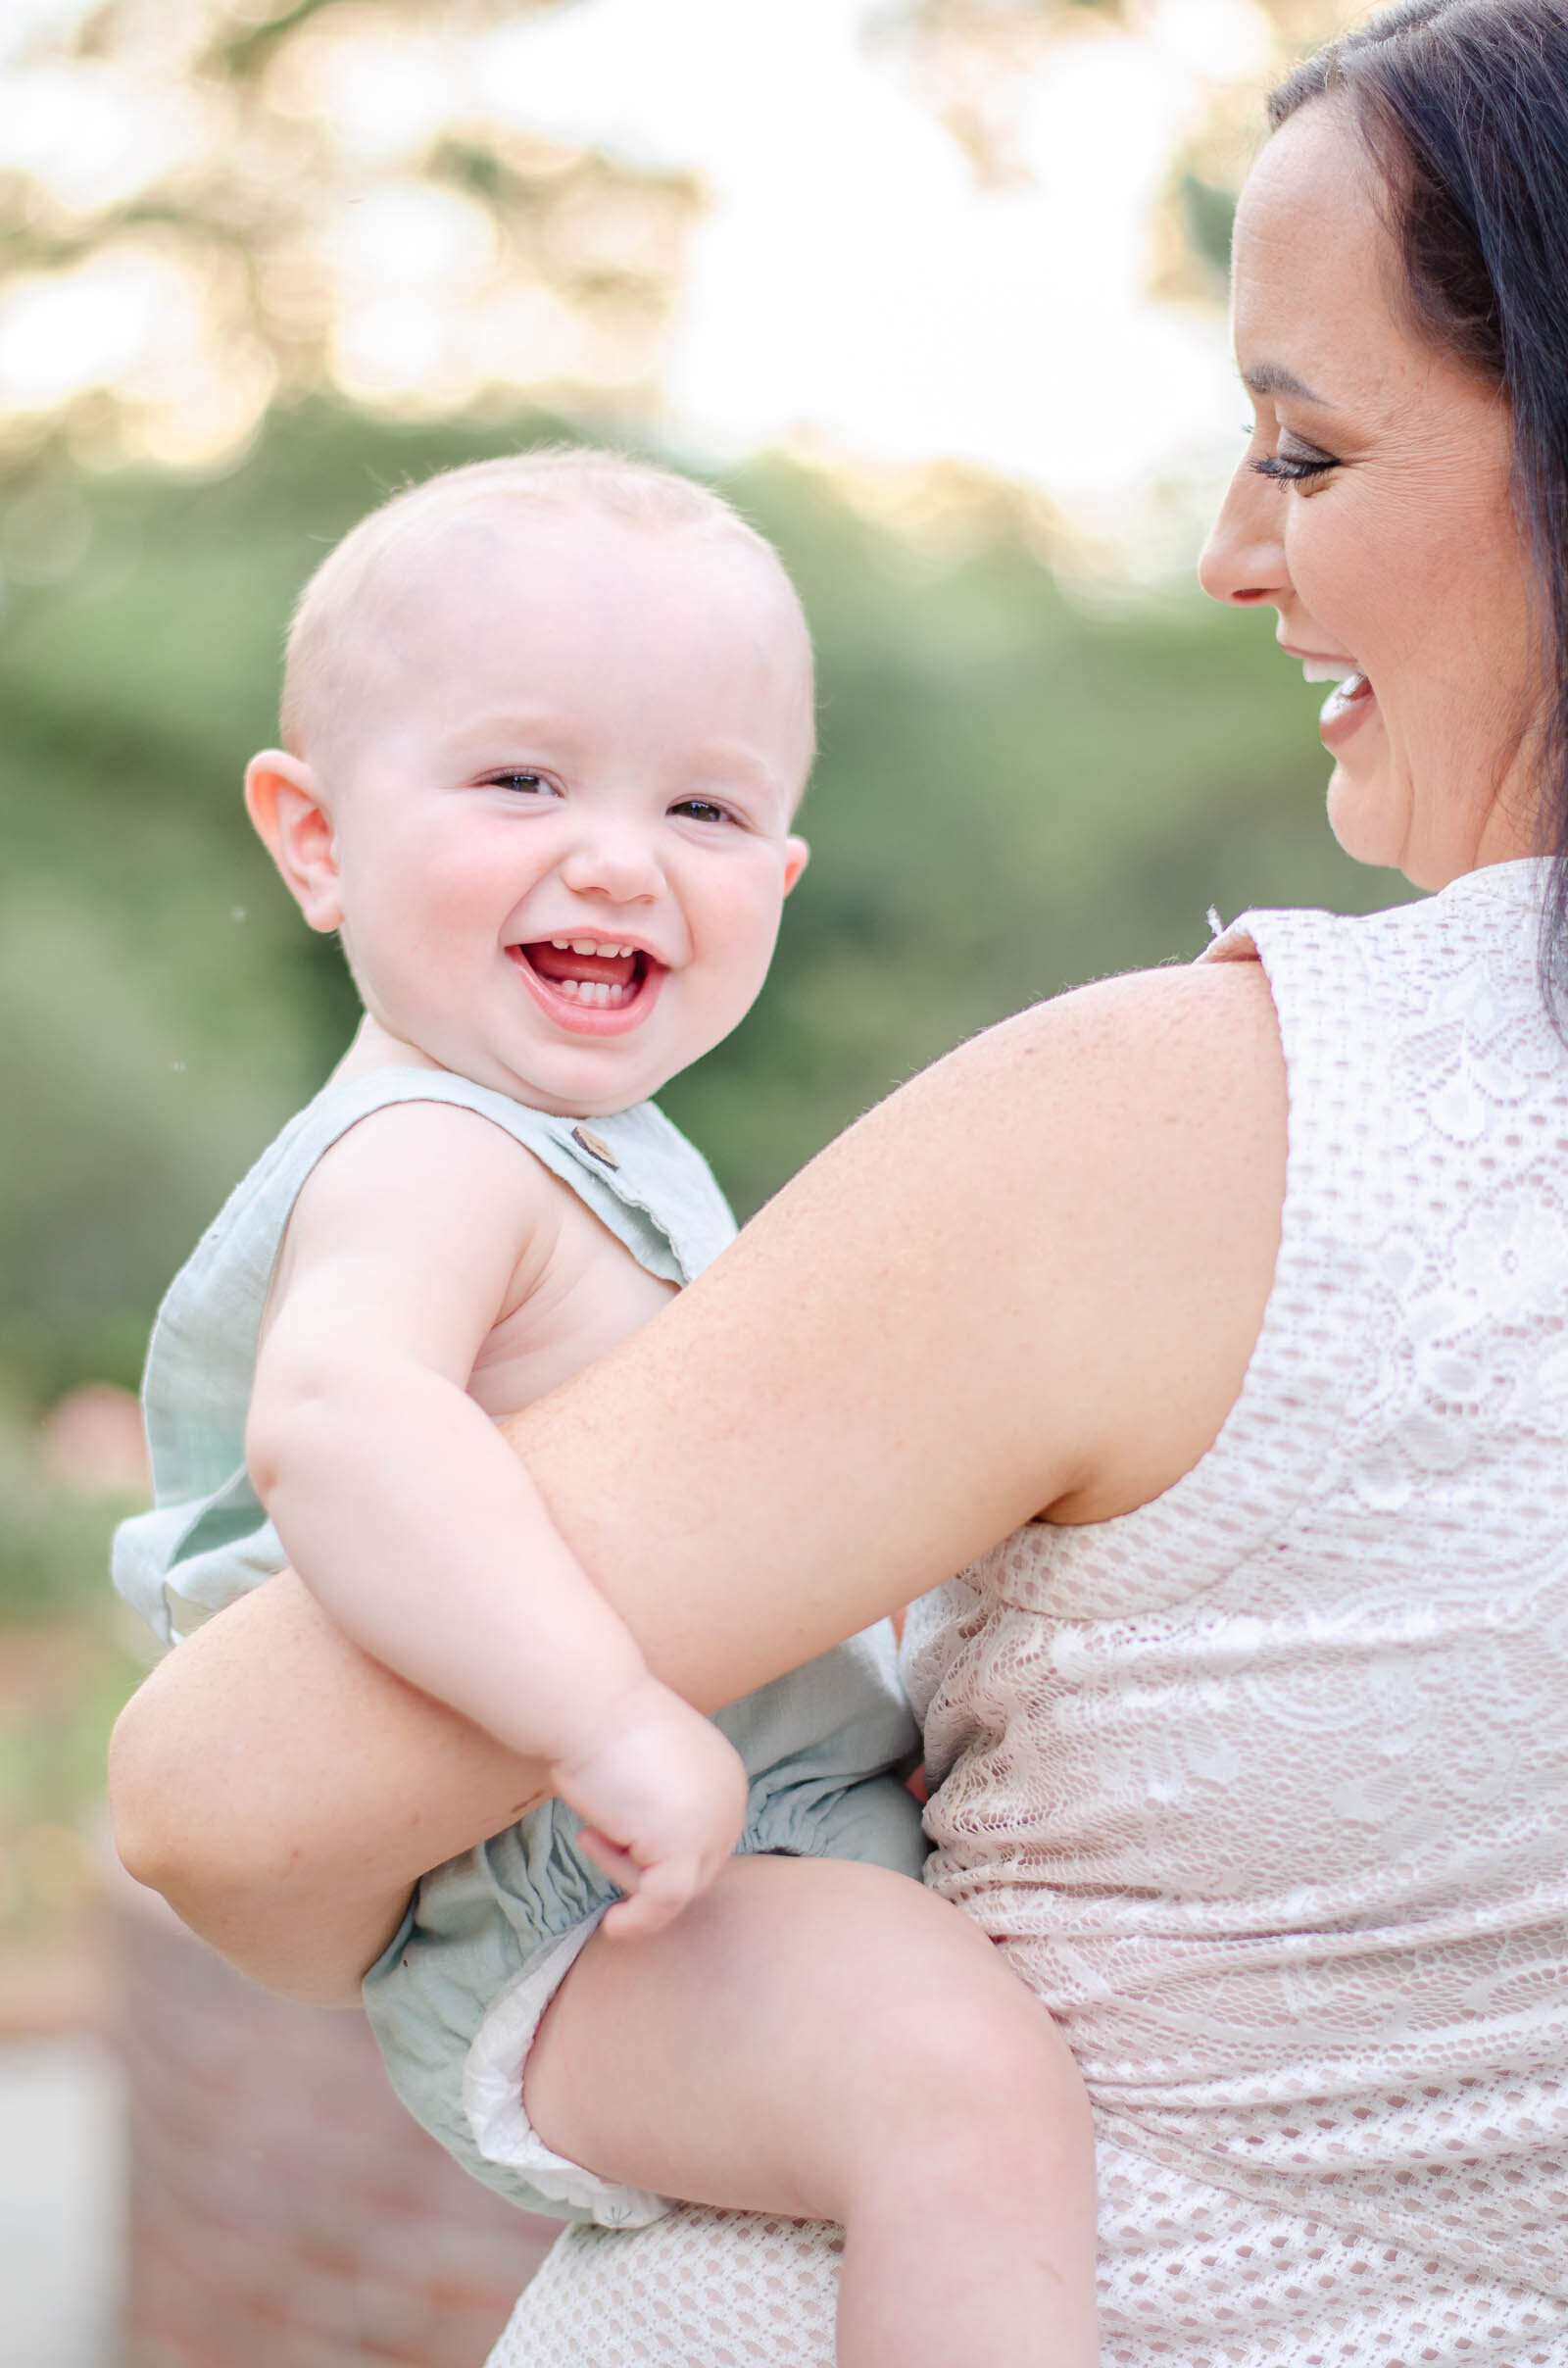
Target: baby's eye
{"type": "Point", "coordinates": [703, 809]}
{"type": "Point", "coordinates": [527, 784]}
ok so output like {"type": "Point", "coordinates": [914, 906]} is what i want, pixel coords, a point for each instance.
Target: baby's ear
{"type": "Point", "coordinates": [797, 855]}
{"type": "Point", "coordinates": [284, 799]}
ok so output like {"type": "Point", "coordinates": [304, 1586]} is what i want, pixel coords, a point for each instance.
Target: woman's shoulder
{"type": "Point", "coordinates": [1380, 1012]}
{"type": "Point", "coordinates": [1086, 1200]}
{"type": "Point", "coordinates": [1487, 921]}
{"type": "Point", "coordinates": [1209, 1137]}
{"type": "Point", "coordinates": [1187, 1054]}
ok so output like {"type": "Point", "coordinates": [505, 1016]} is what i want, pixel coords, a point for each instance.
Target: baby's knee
{"type": "Point", "coordinates": [995, 2044]}
{"type": "Point", "coordinates": [974, 2071]}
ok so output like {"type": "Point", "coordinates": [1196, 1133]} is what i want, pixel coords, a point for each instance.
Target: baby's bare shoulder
{"type": "Point", "coordinates": [419, 1199]}
{"type": "Point", "coordinates": [439, 1162]}
{"type": "Point", "coordinates": [439, 1200]}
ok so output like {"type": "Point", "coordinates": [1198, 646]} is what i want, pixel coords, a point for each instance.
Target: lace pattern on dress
{"type": "Point", "coordinates": [1263, 1787]}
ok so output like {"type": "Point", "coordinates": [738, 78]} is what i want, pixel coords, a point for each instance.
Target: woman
{"type": "Point", "coordinates": [1250, 1733]}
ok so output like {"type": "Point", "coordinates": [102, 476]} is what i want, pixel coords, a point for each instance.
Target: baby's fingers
{"type": "Point", "coordinates": [638, 1919]}
{"type": "Point", "coordinates": [654, 1896]}
{"type": "Point", "coordinates": [662, 1892]}
{"type": "Point", "coordinates": [617, 1863]}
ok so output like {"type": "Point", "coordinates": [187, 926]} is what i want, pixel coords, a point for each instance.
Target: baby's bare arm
{"type": "Point", "coordinates": [830, 2040]}
{"type": "Point", "coordinates": [390, 1488]}
{"type": "Point", "coordinates": [417, 1528]}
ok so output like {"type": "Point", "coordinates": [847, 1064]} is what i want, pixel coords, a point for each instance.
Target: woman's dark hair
{"type": "Point", "coordinates": [1464, 105]}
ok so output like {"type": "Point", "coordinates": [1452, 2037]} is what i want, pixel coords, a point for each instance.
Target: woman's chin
{"type": "Point", "coordinates": [1368, 819]}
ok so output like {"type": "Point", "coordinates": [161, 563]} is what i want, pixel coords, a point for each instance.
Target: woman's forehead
{"type": "Point", "coordinates": [1314, 269]}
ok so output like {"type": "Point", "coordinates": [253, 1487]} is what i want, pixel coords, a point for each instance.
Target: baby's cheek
{"type": "Point", "coordinates": [752, 936]}
{"type": "Point", "coordinates": [457, 897]}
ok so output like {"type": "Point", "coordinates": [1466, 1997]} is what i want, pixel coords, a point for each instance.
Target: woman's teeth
{"type": "Point", "coordinates": [1345, 694]}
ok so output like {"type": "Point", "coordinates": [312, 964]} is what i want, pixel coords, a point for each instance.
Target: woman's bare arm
{"type": "Point", "coordinates": [1030, 1281]}
{"type": "Point", "coordinates": [283, 1790]}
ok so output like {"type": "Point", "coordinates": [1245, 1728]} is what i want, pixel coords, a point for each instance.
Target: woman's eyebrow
{"type": "Point", "coordinates": [1273, 378]}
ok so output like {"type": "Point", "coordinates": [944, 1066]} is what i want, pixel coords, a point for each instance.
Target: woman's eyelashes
{"type": "Point", "coordinates": [1294, 468]}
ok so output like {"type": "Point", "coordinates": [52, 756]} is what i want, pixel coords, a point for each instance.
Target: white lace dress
{"type": "Point", "coordinates": [1263, 1787]}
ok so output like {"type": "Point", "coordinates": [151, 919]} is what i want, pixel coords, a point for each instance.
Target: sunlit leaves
{"type": "Point", "coordinates": [973, 59]}
{"type": "Point", "coordinates": [213, 203]}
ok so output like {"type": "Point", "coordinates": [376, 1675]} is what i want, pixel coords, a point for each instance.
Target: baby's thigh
{"type": "Point", "coordinates": [699, 2286]}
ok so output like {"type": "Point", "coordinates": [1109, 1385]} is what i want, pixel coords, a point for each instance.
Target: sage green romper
{"type": "Point", "coordinates": [490, 1934]}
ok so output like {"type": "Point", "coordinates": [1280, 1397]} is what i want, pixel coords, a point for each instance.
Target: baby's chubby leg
{"type": "Point", "coordinates": [829, 2041]}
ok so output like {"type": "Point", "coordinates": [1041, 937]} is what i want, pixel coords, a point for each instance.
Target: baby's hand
{"type": "Point", "coordinates": [664, 1800]}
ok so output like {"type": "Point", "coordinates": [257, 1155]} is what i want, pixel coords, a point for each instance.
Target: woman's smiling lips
{"type": "Point", "coordinates": [590, 987]}
{"type": "Point", "coordinates": [1344, 711]}
{"type": "Point", "coordinates": [1347, 705]}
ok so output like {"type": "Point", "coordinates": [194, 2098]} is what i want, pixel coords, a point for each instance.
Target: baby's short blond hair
{"type": "Point", "coordinates": [552, 478]}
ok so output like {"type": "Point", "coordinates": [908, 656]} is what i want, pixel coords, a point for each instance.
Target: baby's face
{"type": "Point", "coordinates": [560, 802]}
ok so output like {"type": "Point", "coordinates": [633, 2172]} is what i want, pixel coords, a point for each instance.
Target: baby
{"type": "Point", "coordinates": [547, 722]}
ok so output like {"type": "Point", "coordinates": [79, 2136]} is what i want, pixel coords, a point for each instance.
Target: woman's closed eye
{"type": "Point", "coordinates": [1297, 465]}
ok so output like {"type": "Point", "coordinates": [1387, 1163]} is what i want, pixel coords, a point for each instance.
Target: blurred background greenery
{"type": "Point", "coordinates": [1035, 768]}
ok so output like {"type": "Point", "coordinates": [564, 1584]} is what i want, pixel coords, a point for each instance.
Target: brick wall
{"type": "Point", "coordinates": [284, 2212]}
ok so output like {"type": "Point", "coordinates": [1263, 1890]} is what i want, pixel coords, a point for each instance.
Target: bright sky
{"type": "Point", "coordinates": [852, 279]}
{"type": "Point", "coordinates": [852, 284]}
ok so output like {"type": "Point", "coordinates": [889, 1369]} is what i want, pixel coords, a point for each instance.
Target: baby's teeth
{"type": "Point", "coordinates": [600, 992]}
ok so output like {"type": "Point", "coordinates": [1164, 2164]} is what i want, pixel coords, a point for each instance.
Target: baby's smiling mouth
{"type": "Point", "coordinates": [598, 973]}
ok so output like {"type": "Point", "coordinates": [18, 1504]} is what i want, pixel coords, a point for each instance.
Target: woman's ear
{"type": "Point", "coordinates": [284, 799]}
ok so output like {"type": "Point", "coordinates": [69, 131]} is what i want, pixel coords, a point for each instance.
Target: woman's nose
{"type": "Point", "coordinates": [1243, 558]}
{"type": "Point", "coordinates": [616, 860]}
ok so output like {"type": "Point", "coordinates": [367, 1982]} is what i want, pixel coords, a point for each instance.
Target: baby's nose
{"type": "Point", "coordinates": [615, 860]}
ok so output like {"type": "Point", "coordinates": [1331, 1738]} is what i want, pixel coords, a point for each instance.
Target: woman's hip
{"type": "Point", "coordinates": [1192, 2276]}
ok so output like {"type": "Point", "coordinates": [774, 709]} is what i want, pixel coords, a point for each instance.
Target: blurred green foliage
{"type": "Point", "coordinates": [60, 1690]}
{"type": "Point", "coordinates": [1013, 795]}
{"type": "Point", "coordinates": [54, 1539]}
{"type": "Point", "coordinates": [70, 1654]}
